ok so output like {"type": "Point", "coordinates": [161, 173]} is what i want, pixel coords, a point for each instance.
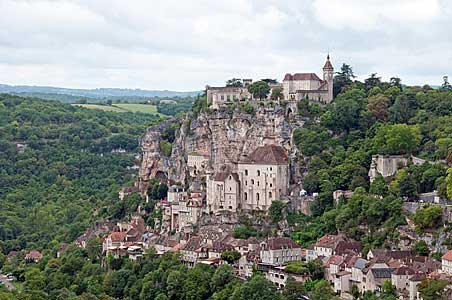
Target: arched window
{"type": "Point", "coordinates": [270, 195]}
{"type": "Point", "coordinates": [246, 172]}
{"type": "Point", "coordinates": [252, 181]}
{"type": "Point", "coordinates": [246, 196]}
{"type": "Point", "coordinates": [258, 173]}
{"type": "Point", "coordinates": [257, 196]}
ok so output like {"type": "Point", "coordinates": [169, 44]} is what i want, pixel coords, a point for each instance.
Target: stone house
{"type": "Point", "coordinates": [247, 263]}
{"type": "Point", "coordinates": [335, 245]}
{"type": "Point", "coordinates": [413, 282]}
{"type": "Point", "coordinates": [33, 256]}
{"type": "Point", "coordinates": [223, 191]}
{"type": "Point", "coordinates": [197, 163]}
{"type": "Point", "coordinates": [400, 278]}
{"type": "Point", "coordinates": [261, 178]}
{"type": "Point", "coordinates": [193, 251]}
{"type": "Point", "coordinates": [264, 177]}
{"type": "Point", "coordinates": [374, 277]}
{"type": "Point", "coordinates": [341, 281]}
{"type": "Point", "coordinates": [446, 262]}
{"type": "Point", "coordinates": [220, 96]}
{"type": "Point", "coordinates": [279, 250]}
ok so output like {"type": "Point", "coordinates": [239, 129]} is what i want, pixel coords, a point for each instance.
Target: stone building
{"type": "Point", "coordinates": [261, 178]}
{"type": "Point", "coordinates": [264, 177]}
{"type": "Point", "coordinates": [446, 262]}
{"type": "Point", "coordinates": [223, 191]}
{"type": "Point", "coordinates": [309, 86]}
{"type": "Point", "coordinates": [279, 250]}
{"type": "Point", "coordinates": [219, 96]}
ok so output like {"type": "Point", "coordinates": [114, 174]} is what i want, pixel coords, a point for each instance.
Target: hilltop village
{"type": "Point", "coordinates": [229, 164]}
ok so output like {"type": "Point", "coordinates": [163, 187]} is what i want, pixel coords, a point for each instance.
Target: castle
{"type": "Point", "coordinates": [294, 87]}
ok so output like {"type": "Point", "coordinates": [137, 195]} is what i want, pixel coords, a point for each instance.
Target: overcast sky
{"type": "Point", "coordinates": [185, 44]}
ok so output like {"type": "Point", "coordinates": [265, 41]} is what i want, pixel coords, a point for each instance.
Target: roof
{"type": "Point", "coordinates": [278, 243]}
{"type": "Point", "coordinates": [382, 272]}
{"type": "Point", "coordinates": [360, 263]}
{"type": "Point", "coordinates": [192, 244]}
{"type": "Point", "coordinates": [328, 65]}
{"type": "Point", "coordinates": [34, 254]}
{"type": "Point", "coordinates": [268, 154]}
{"type": "Point", "coordinates": [343, 247]}
{"type": "Point", "coordinates": [448, 255]}
{"type": "Point", "coordinates": [417, 277]}
{"type": "Point", "coordinates": [334, 260]}
{"type": "Point", "coordinates": [329, 241]}
{"type": "Point", "coordinates": [404, 271]}
{"type": "Point", "coordinates": [301, 76]}
{"type": "Point", "coordinates": [118, 236]}
{"type": "Point", "coordinates": [221, 176]}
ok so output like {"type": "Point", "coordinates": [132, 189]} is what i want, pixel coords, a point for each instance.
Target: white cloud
{"type": "Point", "coordinates": [183, 45]}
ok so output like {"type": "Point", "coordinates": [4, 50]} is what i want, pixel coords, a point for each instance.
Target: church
{"type": "Point", "coordinates": [294, 87]}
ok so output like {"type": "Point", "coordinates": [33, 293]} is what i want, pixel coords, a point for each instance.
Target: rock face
{"type": "Point", "coordinates": [225, 136]}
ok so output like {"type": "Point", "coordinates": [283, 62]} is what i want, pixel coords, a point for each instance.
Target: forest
{"type": "Point", "coordinates": [60, 172]}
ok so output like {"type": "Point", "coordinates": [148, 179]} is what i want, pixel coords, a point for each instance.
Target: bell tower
{"type": "Point", "coordinates": [328, 73]}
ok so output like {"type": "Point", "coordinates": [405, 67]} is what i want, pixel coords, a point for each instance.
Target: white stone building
{"type": "Point", "coordinates": [446, 262]}
{"type": "Point", "coordinates": [264, 177]}
{"type": "Point", "coordinates": [279, 250]}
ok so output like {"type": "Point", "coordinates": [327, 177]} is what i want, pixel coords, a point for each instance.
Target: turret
{"type": "Point", "coordinates": [328, 73]}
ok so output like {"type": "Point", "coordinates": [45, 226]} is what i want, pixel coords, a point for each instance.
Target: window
{"type": "Point", "coordinates": [230, 207]}
{"type": "Point", "coordinates": [230, 188]}
{"type": "Point", "coordinates": [246, 182]}
{"type": "Point", "coordinates": [270, 168]}
{"type": "Point", "coordinates": [270, 195]}
{"type": "Point", "coordinates": [222, 97]}
{"type": "Point", "coordinates": [246, 196]}
{"type": "Point", "coordinates": [258, 173]}
{"type": "Point", "coordinates": [246, 172]}
{"type": "Point", "coordinates": [257, 196]}
{"type": "Point", "coordinates": [258, 183]}
{"type": "Point", "coordinates": [252, 181]}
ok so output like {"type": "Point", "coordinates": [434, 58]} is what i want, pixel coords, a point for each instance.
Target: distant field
{"type": "Point", "coordinates": [125, 107]}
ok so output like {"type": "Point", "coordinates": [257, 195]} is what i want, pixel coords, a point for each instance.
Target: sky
{"type": "Point", "coordinates": [184, 45]}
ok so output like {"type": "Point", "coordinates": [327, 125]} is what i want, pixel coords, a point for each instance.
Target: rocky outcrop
{"type": "Point", "coordinates": [225, 136]}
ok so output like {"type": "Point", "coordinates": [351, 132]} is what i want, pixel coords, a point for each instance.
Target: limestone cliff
{"type": "Point", "coordinates": [225, 136]}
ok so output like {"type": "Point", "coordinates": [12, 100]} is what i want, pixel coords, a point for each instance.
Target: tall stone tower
{"type": "Point", "coordinates": [328, 73]}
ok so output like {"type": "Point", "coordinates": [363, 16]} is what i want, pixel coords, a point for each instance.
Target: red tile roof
{"type": "Point", "coordinates": [268, 154]}
{"type": "Point", "coordinates": [278, 243]}
{"type": "Point", "coordinates": [118, 236]}
{"type": "Point", "coordinates": [448, 255]}
{"type": "Point", "coordinates": [404, 271]}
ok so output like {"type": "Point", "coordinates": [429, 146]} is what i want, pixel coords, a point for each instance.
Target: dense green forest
{"type": "Point", "coordinates": [57, 170]}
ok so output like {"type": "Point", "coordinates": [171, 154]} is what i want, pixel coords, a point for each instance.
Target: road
{"type": "Point", "coordinates": [6, 283]}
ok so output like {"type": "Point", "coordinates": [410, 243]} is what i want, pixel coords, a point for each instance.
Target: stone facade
{"type": "Point", "coordinates": [309, 86]}
{"type": "Point", "coordinates": [261, 177]}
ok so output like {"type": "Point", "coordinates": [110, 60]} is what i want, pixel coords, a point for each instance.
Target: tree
{"type": "Point", "coordinates": [420, 248]}
{"type": "Point", "coordinates": [428, 217]}
{"type": "Point", "coordinates": [230, 256]}
{"type": "Point", "coordinates": [293, 290]}
{"type": "Point", "coordinates": [277, 94]}
{"type": "Point", "coordinates": [322, 291]}
{"type": "Point", "coordinates": [432, 289]}
{"type": "Point", "coordinates": [166, 148]}
{"type": "Point", "coordinates": [449, 184]}
{"type": "Point", "coordinates": [270, 81]}
{"type": "Point", "coordinates": [342, 79]}
{"type": "Point", "coordinates": [397, 139]}
{"type": "Point", "coordinates": [378, 106]}
{"type": "Point", "coordinates": [372, 81]}
{"type": "Point", "coordinates": [259, 89]}
{"type": "Point", "coordinates": [379, 187]}
{"type": "Point", "coordinates": [257, 288]}
{"type": "Point", "coordinates": [276, 210]}
{"type": "Point", "coordinates": [234, 82]}
{"type": "Point", "coordinates": [223, 276]}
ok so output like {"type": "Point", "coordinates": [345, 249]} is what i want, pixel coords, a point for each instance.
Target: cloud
{"type": "Point", "coordinates": [183, 45]}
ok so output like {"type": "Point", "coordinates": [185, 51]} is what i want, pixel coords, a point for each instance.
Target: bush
{"type": "Point", "coordinates": [166, 147]}
{"type": "Point", "coordinates": [428, 217]}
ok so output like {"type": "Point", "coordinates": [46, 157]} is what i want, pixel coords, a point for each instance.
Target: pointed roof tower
{"type": "Point", "coordinates": [328, 66]}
